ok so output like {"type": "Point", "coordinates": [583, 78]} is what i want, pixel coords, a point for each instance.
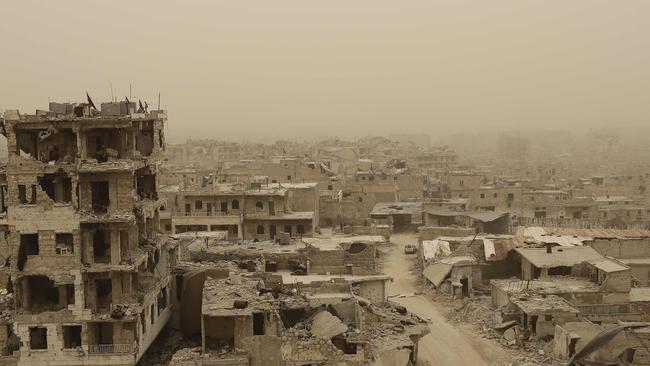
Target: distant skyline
{"type": "Point", "coordinates": [262, 70]}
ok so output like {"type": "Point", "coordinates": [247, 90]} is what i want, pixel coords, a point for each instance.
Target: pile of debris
{"type": "Point", "coordinates": [512, 337]}
{"type": "Point", "coordinates": [186, 357]}
{"type": "Point", "coordinates": [476, 310]}
{"type": "Point", "coordinates": [6, 306]}
{"type": "Point", "coordinates": [163, 352]}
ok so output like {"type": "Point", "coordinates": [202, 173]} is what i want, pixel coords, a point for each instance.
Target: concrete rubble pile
{"type": "Point", "coordinates": [248, 313]}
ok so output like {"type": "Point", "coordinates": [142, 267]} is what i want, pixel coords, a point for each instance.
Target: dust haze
{"type": "Point", "coordinates": [331, 183]}
{"type": "Point", "coordinates": [262, 70]}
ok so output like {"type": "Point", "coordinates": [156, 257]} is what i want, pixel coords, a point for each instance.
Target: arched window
{"type": "Point", "coordinates": [235, 205]}
{"type": "Point", "coordinates": [260, 229]}
{"type": "Point", "coordinates": [259, 205]}
{"type": "Point", "coordinates": [198, 205]}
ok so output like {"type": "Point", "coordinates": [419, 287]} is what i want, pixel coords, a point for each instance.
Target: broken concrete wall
{"type": "Point", "coordinates": [285, 261]}
{"type": "Point", "coordinates": [264, 349]}
{"type": "Point", "coordinates": [308, 351]}
{"type": "Point", "coordinates": [375, 291]}
{"type": "Point", "coordinates": [192, 298]}
{"type": "Point", "coordinates": [44, 251]}
{"type": "Point", "coordinates": [360, 254]}
{"type": "Point", "coordinates": [572, 337]}
{"type": "Point", "coordinates": [326, 325]}
{"type": "Point", "coordinates": [324, 260]}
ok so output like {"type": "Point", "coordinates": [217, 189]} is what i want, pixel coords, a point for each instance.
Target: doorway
{"type": "Point", "coordinates": [272, 231]}
{"type": "Point", "coordinates": [465, 286]}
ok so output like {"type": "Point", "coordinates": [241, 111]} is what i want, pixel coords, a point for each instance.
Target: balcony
{"type": "Point", "coordinates": [109, 348]}
{"type": "Point", "coordinates": [209, 214]}
{"type": "Point", "coordinates": [206, 218]}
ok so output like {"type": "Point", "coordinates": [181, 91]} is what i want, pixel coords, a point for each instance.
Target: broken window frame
{"type": "Point", "coordinates": [23, 199]}
{"type": "Point", "coordinates": [65, 335]}
{"type": "Point", "coordinates": [259, 324]}
{"type": "Point", "coordinates": [32, 331]}
{"type": "Point", "coordinates": [64, 243]}
{"type": "Point", "coordinates": [100, 202]}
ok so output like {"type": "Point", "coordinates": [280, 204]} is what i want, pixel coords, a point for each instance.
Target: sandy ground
{"type": "Point", "coordinates": [448, 343]}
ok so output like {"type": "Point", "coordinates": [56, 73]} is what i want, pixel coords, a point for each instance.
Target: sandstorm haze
{"type": "Point", "coordinates": [261, 70]}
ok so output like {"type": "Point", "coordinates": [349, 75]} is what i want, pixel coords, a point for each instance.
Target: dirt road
{"type": "Point", "coordinates": [447, 344]}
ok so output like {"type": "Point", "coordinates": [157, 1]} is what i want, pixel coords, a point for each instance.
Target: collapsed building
{"type": "Point", "coordinates": [246, 323]}
{"type": "Point", "coordinates": [321, 301]}
{"type": "Point", "coordinates": [90, 274]}
{"type": "Point", "coordinates": [335, 256]}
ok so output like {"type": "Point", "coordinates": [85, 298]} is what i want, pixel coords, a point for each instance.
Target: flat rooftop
{"type": "Point", "coordinates": [397, 208]}
{"type": "Point", "coordinates": [334, 241]}
{"type": "Point", "coordinates": [559, 256]}
{"type": "Point", "coordinates": [577, 236]}
{"type": "Point", "coordinates": [288, 278]}
{"type": "Point", "coordinates": [543, 304]}
{"type": "Point", "coordinates": [219, 296]}
{"type": "Point", "coordinates": [550, 285]}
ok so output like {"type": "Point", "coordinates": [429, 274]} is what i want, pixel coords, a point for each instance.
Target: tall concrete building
{"type": "Point", "coordinates": [89, 271]}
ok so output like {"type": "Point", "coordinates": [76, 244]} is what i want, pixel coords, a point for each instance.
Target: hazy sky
{"type": "Point", "coordinates": [242, 69]}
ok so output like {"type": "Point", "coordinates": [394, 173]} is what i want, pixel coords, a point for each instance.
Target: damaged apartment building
{"type": "Point", "coordinates": [88, 271]}
{"type": "Point", "coordinates": [252, 210]}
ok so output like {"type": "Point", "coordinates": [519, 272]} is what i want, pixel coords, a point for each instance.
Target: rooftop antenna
{"type": "Point", "coordinates": [158, 100]}
{"type": "Point", "coordinates": [112, 96]}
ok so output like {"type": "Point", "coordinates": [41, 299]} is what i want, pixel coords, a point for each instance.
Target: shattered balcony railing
{"type": "Point", "coordinates": [110, 348]}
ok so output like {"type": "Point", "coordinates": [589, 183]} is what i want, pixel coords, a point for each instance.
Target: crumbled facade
{"type": "Point", "coordinates": [89, 272]}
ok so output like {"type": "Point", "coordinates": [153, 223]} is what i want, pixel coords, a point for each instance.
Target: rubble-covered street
{"type": "Point", "coordinates": [448, 343]}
